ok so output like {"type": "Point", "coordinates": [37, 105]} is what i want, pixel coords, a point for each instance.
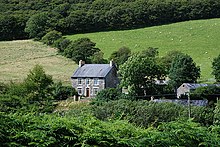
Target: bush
{"type": "Point", "coordinates": [142, 113]}
{"type": "Point", "coordinates": [61, 44]}
{"type": "Point", "coordinates": [51, 37]}
{"type": "Point", "coordinates": [85, 130]}
{"type": "Point", "coordinates": [61, 92]}
{"type": "Point", "coordinates": [106, 95]}
{"type": "Point", "coordinates": [217, 113]}
{"type": "Point", "coordinates": [34, 94]}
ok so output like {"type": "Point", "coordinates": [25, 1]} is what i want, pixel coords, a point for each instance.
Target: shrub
{"type": "Point", "coordinates": [61, 92]}
{"type": "Point", "coordinates": [141, 112]}
{"type": "Point", "coordinates": [108, 94]}
{"type": "Point", "coordinates": [51, 37]}
{"type": "Point", "coordinates": [61, 44]}
{"type": "Point", "coordinates": [217, 113]}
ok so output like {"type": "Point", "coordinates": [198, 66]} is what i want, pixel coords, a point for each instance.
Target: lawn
{"type": "Point", "coordinates": [199, 39]}
{"type": "Point", "coordinates": [19, 57]}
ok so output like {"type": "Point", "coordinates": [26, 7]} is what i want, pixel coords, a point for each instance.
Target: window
{"type": "Point", "coordinates": [79, 91]}
{"type": "Point", "coordinates": [96, 81]}
{"type": "Point", "coordinates": [79, 81]}
{"type": "Point", "coordinates": [87, 81]}
{"type": "Point", "coordinates": [95, 91]}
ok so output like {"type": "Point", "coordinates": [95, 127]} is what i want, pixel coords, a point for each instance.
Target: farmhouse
{"type": "Point", "coordinates": [89, 79]}
{"type": "Point", "coordinates": [189, 87]}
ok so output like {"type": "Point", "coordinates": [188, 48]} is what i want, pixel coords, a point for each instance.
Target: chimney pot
{"type": "Point", "coordinates": [111, 63]}
{"type": "Point", "coordinates": [81, 63]}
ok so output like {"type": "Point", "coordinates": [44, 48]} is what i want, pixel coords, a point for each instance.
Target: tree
{"type": "Point", "coordinates": [120, 56]}
{"type": "Point", "coordinates": [81, 49]}
{"type": "Point", "coordinates": [216, 68]}
{"type": "Point", "coordinates": [183, 70]}
{"type": "Point", "coordinates": [61, 44]}
{"type": "Point", "coordinates": [211, 93]}
{"type": "Point", "coordinates": [138, 74]}
{"type": "Point", "coordinates": [38, 84]}
{"type": "Point", "coordinates": [37, 25]}
{"type": "Point", "coordinates": [51, 37]}
{"type": "Point", "coordinates": [150, 52]}
{"type": "Point", "coordinates": [166, 60]}
{"type": "Point", "coordinates": [97, 58]}
{"type": "Point", "coordinates": [7, 27]}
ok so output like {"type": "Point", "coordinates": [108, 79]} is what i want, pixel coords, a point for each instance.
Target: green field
{"type": "Point", "coordinates": [199, 39]}
{"type": "Point", "coordinates": [18, 57]}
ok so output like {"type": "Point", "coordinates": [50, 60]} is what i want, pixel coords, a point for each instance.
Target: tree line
{"type": "Point", "coordinates": [21, 19]}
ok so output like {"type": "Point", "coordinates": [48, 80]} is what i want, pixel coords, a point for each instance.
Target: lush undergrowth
{"type": "Point", "coordinates": [197, 38]}
{"type": "Point", "coordinates": [79, 127]}
{"type": "Point", "coordinates": [18, 57]}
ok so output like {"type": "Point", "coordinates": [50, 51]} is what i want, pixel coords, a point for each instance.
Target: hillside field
{"type": "Point", "coordinates": [199, 39]}
{"type": "Point", "coordinates": [19, 57]}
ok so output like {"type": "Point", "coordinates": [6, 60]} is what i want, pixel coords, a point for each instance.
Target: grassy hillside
{"type": "Point", "coordinates": [18, 57]}
{"type": "Point", "coordinates": [199, 38]}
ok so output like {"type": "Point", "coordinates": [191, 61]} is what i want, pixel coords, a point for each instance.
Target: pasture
{"type": "Point", "coordinates": [198, 38]}
{"type": "Point", "coordinates": [19, 57]}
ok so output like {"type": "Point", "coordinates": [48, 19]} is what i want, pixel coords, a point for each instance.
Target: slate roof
{"type": "Point", "coordinates": [195, 85]}
{"type": "Point", "coordinates": [92, 71]}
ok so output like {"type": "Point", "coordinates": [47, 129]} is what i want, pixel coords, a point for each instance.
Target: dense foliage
{"type": "Point", "coordinates": [36, 93]}
{"type": "Point", "coordinates": [183, 70]}
{"type": "Point", "coordinates": [139, 72]}
{"type": "Point", "coordinates": [216, 68]}
{"type": "Point", "coordinates": [120, 56]}
{"type": "Point", "coordinates": [25, 119]}
{"type": "Point", "coordinates": [39, 17]}
{"type": "Point", "coordinates": [82, 129]}
{"type": "Point", "coordinates": [81, 49]}
{"type": "Point", "coordinates": [211, 93]}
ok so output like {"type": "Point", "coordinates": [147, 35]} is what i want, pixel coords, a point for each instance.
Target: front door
{"type": "Point", "coordinates": [87, 92]}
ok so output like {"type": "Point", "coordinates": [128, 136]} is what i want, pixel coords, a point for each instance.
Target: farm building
{"type": "Point", "coordinates": [89, 79]}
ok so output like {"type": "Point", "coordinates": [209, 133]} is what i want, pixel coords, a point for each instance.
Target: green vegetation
{"type": "Point", "coordinates": [81, 49]}
{"type": "Point", "coordinates": [31, 110]}
{"type": "Point", "coordinates": [115, 123]}
{"type": "Point", "coordinates": [18, 57]}
{"type": "Point", "coordinates": [197, 38]}
{"type": "Point", "coordinates": [216, 68]}
{"type": "Point", "coordinates": [28, 117]}
{"type": "Point", "coordinates": [183, 70]}
{"type": "Point", "coordinates": [139, 72]}
{"type": "Point", "coordinates": [22, 18]}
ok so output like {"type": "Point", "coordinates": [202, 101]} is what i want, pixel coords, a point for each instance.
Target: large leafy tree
{"type": "Point", "coordinates": [183, 70]}
{"type": "Point", "coordinates": [120, 56]}
{"type": "Point", "coordinates": [37, 26]}
{"type": "Point", "coordinates": [38, 84]}
{"type": "Point", "coordinates": [81, 49]}
{"type": "Point", "coordinates": [166, 60]}
{"type": "Point", "coordinates": [216, 68]}
{"type": "Point", "coordinates": [139, 72]}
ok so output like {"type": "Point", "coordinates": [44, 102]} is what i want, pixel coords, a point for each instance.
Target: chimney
{"type": "Point", "coordinates": [81, 63]}
{"type": "Point", "coordinates": [111, 63]}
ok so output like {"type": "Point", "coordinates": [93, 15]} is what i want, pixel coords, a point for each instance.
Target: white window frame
{"type": "Point", "coordinates": [96, 81]}
{"type": "Point", "coordinates": [79, 81]}
{"type": "Point", "coordinates": [87, 81]}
